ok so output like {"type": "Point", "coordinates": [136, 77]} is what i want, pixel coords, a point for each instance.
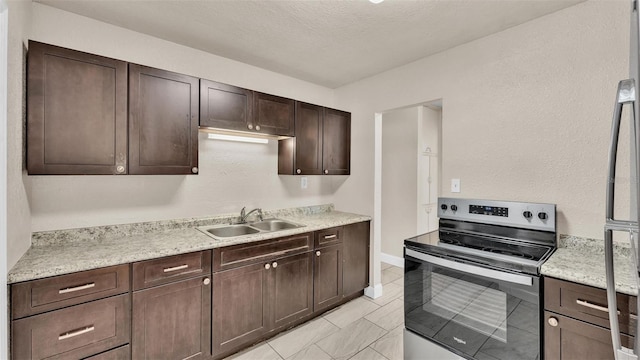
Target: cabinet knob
{"type": "Point", "coordinates": [194, 170]}
{"type": "Point", "coordinates": [119, 169]}
{"type": "Point", "coordinates": [298, 171]}
{"type": "Point", "coordinates": [258, 127]}
{"type": "Point", "coordinates": [275, 264]}
{"type": "Point", "coordinates": [326, 171]}
{"type": "Point", "coordinates": [553, 321]}
{"type": "Point", "coordinates": [250, 126]}
{"type": "Point", "coordinates": [318, 253]}
{"type": "Point", "coordinates": [206, 281]}
{"type": "Point", "coordinates": [267, 266]}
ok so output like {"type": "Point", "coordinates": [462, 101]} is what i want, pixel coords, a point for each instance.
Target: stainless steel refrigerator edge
{"type": "Point", "coordinates": [627, 94]}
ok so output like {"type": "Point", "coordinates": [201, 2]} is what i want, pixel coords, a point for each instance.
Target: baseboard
{"type": "Point", "coordinates": [373, 292]}
{"type": "Point", "coordinates": [393, 260]}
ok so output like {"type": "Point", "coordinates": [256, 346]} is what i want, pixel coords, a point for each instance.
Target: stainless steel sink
{"type": "Point", "coordinates": [232, 230]}
{"type": "Point", "coordinates": [274, 225]}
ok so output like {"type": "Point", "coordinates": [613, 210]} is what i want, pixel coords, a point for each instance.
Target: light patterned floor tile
{"type": "Point", "coordinates": [400, 281]}
{"type": "Point", "coordinates": [384, 265]}
{"type": "Point", "coordinates": [313, 352]}
{"type": "Point", "coordinates": [390, 292]}
{"type": "Point", "coordinates": [350, 312]}
{"type": "Point", "coordinates": [391, 345]}
{"type": "Point", "coordinates": [390, 275]}
{"type": "Point", "coordinates": [389, 316]}
{"type": "Point", "coordinates": [259, 352]}
{"type": "Point", "coordinates": [368, 354]}
{"type": "Point", "coordinates": [302, 336]}
{"type": "Point", "coordinates": [351, 340]}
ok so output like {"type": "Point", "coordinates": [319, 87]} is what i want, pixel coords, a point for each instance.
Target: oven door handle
{"type": "Point", "coordinates": [471, 269]}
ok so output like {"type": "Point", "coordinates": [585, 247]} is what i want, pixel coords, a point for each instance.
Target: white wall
{"type": "Point", "coordinates": [527, 112]}
{"type": "Point", "coordinates": [4, 309]}
{"type": "Point", "coordinates": [231, 174]}
{"type": "Point", "coordinates": [399, 177]}
{"type": "Point", "coordinates": [18, 216]}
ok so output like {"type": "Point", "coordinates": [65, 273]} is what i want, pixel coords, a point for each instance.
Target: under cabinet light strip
{"type": "Point", "coordinates": [238, 138]}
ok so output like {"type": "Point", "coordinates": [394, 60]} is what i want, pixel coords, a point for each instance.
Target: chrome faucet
{"type": "Point", "coordinates": [244, 215]}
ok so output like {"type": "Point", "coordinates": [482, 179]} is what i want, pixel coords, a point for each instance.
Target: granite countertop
{"type": "Point", "coordinates": [66, 251]}
{"type": "Point", "coordinates": [582, 261]}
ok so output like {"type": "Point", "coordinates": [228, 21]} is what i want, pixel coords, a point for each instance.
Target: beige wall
{"type": "Point", "coordinates": [18, 214]}
{"type": "Point", "coordinates": [399, 178]}
{"type": "Point", "coordinates": [231, 174]}
{"type": "Point", "coordinates": [526, 112]}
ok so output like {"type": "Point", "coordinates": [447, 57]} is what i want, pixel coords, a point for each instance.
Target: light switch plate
{"type": "Point", "coordinates": [303, 182]}
{"type": "Point", "coordinates": [455, 185]}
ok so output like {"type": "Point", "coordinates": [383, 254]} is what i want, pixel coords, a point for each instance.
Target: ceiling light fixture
{"type": "Point", "coordinates": [376, 1]}
{"type": "Point", "coordinates": [238, 138]}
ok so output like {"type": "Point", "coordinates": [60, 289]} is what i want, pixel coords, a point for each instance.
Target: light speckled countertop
{"type": "Point", "coordinates": [66, 251]}
{"type": "Point", "coordinates": [582, 261]}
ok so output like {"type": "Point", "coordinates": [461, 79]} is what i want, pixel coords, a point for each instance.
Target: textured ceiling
{"type": "Point", "coordinates": [327, 42]}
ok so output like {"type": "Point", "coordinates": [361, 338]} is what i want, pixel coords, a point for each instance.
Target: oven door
{"type": "Point", "coordinates": [473, 311]}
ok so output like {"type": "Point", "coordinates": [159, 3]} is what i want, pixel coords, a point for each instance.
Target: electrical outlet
{"type": "Point", "coordinates": [303, 182]}
{"type": "Point", "coordinates": [455, 185]}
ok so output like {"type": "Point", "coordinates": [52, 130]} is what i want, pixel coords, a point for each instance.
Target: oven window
{"type": "Point", "coordinates": [471, 314]}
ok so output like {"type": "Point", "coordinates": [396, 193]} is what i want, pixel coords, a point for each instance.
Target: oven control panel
{"type": "Point", "coordinates": [537, 216]}
{"type": "Point", "coordinates": [489, 210]}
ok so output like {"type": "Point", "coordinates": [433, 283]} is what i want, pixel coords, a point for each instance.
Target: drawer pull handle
{"type": "Point", "coordinates": [176, 268]}
{"type": "Point", "coordinates": [593, 306]}
{"type": "Point", "coordinates": [327, 237]}
{"type": "Point", "coordinates": [74, 333]}
{"type": "Point", "coordinates": [274, 265]}
{"type": "Point", "coordinates": [553, 321]}
{"type": "Point", "coordinates": [76, 288]}
{"type": "Point", "coordinates": [318, 253]}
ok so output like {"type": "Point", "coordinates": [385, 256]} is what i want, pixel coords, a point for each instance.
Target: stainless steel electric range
{"type": "Point", "coordinates": [472, 289]}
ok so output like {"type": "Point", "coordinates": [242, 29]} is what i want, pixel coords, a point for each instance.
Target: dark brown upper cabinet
{"type": "Point", "coordinates": [322, 143]}
{"type": "Point", "coordinates": [163, 122]}
{"type": "Point", "coordinates": [273, 115]}
{"type": "Point", "coordinates": [77, 112]}
{"type": "Point", "coordinates": [229, 107]}
{"type": "Point", "coordinates": [224, 106]}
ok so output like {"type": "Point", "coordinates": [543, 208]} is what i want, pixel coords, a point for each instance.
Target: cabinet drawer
{"type": "Point", "coordinates": [74, 332]}
{"type": "Point", "coordinates": [328, 237]}
{"type": "Point", "coordinates": [121, 353]}
{"type": "Point", "coordinates": [169, 269]}
{"type": "Point", "coordinates": [38, 296]}
{"type": "Point", "coordinates": [587, 303]}
{"type": "Point", "coordinates": [233, 256]}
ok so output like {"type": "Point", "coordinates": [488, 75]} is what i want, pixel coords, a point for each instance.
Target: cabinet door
{"type": "Point", "coordinates": [291, 287]}
{"type": "Point", "coordinates": [173, 321]}
{"type": "Point", "coordinates": [336, 142]}
{"type": "Point", "coordinates": [163, 122]}
{"type": "Point", "coordinates": [356, 257]}
{"type": "Point", "coordinates": [224, 106]}
{"type": "Point", "coordinates": [308, 140]}
{"type": "Point", "coordinates": [575, 339]}
{"type": "Point", "coordinates": [77, 112]}
{"type": "Point", "coordinates": [273, 115]}
{"type": "Point", "coordinates": [327, 277]}
{"type": "Point", "coordinates": [240, 307]}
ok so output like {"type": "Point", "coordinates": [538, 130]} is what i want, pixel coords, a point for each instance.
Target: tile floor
{"type": "Point", "coordinates": [362, 329]}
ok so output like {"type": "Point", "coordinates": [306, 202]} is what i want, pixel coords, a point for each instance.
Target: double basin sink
{"type": "Point", "coordinates": [233, 230]}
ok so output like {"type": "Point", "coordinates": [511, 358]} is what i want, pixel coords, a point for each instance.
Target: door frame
{"type": "Point", "coordinates": [4, 321]}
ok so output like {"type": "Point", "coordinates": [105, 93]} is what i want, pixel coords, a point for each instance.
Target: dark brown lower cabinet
{"type": "Point", "coordinates": [121, 353]}
{"type": "Point", "coordinates": [355, 257]}
{"type": "Point", "coordinates": [254, 300]}
{"type": "Point", "coordinates": [173, 321]}
{"type": "Point", "coordinates": [579, 340]}
{"type": "Point", "coordinates": [327, 277]}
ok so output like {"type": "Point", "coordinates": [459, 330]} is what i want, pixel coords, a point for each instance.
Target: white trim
{"type": "Point", "coordinates": [393, 260]}
{"type": "Point", "coordinates": [376, 276]}
{"type": "Point", "coordinates": [4, 303]}
{"type": "Point", "coordinates": [373, 292]}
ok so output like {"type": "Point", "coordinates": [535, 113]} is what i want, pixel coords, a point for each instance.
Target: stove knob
{"type": "Point", "coordinates": [443, 207]}
{"type": "Point", "coordinates": [454, 208]}
{"type": "Point", "coordinates": [543, 215]}
{"type": "Point", "coordinates": [527, 214]}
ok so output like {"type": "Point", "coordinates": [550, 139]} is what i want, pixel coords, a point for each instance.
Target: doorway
{"type": "Point", "coordinates": [406, 180]}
